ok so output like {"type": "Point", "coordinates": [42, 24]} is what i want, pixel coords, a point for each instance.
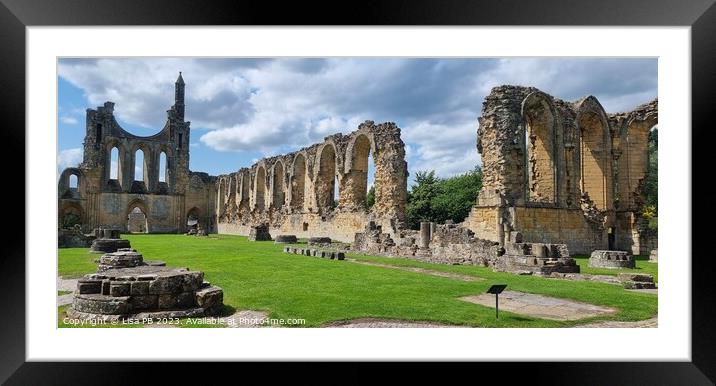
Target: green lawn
{"type": "Point", "coordinates": [259, 276]}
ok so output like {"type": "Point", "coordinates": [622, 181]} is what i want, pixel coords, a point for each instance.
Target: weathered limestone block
{"type": "Point", "coordinates": [211, 299]}
{"type": "Point", "coordinates": [144, 302]}
{"type": "Point", "coordinates": [286, 239]}
{"type": "Point", "coordinates": [654, 255]}
{"type": "Point", "coordinates": [119, 289]}
{"type": "Point", "coordinates": [89, 286]}
{"type": "Point", "coordinates": [101, 304]}
{"type": "Point", "coordinates": [611, 259]}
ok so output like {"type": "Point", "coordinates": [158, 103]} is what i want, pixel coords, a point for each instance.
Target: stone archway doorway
{"type": "Point", "coordinates": [137, 221]}
{"type": "Point", "coordinates": [192, 220]}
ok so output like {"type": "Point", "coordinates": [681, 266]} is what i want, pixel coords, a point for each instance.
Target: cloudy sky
{"type": "Point", "coordinates": [244, 109]}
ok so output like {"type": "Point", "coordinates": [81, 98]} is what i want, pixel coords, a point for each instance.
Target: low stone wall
{"type": "Point", "coordinates": [339, 226]}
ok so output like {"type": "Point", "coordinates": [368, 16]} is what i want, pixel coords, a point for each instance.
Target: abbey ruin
{"type": "Point", "coordinates": [104, 189]}
{"type": "Point", "coordinates": [558, 178]}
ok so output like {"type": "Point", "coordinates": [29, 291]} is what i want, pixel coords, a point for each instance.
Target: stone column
{"type": "Point", "coordinates": [432, 230]}
{"type": "Point", "coordinates": [424, 234]}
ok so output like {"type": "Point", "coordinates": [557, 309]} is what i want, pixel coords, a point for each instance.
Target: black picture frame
{"type": "Point", "coordinates": [700, 15]}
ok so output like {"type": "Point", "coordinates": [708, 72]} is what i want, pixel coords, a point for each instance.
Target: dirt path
{"type": "Point", "coordinates": [425, 271]}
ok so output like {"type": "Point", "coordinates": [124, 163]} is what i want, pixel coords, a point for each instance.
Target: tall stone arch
{"type": "Point", "coordinates": [596, 179]}
{"type": "Point", "coordinates": [539, 120]}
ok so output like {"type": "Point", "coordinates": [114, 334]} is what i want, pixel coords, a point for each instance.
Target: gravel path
{"type": "Point", "coordinates": [65, 285]}
{"type": "Point", "coordinates": [385, 323]}
{"type": "Point", "coordinates": [425, 271]}
{"type": "Point", "coordinates": [649, 323]}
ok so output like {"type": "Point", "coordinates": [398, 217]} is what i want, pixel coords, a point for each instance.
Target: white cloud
{"type": "Point", "coordinates": [275, 106]}
{"type": "Point", "coordinates": [69, 120]}
{"type": "Point", "coordinates": [68, 158]}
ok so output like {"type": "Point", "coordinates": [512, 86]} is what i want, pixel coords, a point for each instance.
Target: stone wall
{"type": "Point", "coordinates": [295, 193]}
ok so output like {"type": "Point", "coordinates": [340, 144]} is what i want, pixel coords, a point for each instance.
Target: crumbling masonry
{"type": "Point", "coordinates": [560, 172]}
{"type": "Point", "coordinates": [558, 178]}
{"type": "Point", "coordinates": [296, 193]}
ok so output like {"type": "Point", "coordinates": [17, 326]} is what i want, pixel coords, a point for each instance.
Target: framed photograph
{"type": "Point", "coordinates": [448, 182]}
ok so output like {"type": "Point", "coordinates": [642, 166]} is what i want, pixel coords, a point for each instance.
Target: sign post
{"type": "Point", "coordinates": [497, 289]}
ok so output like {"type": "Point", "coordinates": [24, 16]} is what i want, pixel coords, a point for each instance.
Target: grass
{"type": "Point", "coordinates": [60, 293]}
{"type": "Point", "coordinates": [259, 276]}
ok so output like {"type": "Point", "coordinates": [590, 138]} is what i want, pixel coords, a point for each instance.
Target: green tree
{"type": "Point", "coordinates": [420, 198]}
{"type": "Point", "coordinates": [438, 200]}
{"type": "Point", "coordinates": [370, 197]}
{"type": "Point", "coordinates": [457, 196]}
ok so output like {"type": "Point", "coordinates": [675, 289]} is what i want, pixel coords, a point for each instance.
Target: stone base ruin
{"type": "Point", "coordinates": [454, 244]}
{"type": "Point", "coordinates": [260, 233]}
{"type": "Point", "coordinates": [126, 287]}
{"type": "Point", "coordinates": [286, 239]}
{"type": "Point", "coordinates": [107, 241]}
{"type": "Point", "coordinates": [611, 259]}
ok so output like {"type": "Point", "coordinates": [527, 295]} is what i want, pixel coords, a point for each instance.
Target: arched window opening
{"type": "Point", "coordinates": [336, 193]}
{"type": "Point", "coordinates": [74, 184]}
{"type": "Point", "coordinates": [139, 165]}
{"type": "Point", "coordinates": [370, 192]}
{"type": "Point", "coordinates": [114, 164]}
{"type": "Point", "coordinates": [540, 150]}
{"type": "Point", "coordinates": [163, 167]}
{"type": "Point", "coordinates": [361, 175]}
{"type": "Point", "coordinates": [245, 187]}
{"type": "Point", "coordinates": [326, 181]}
{"type": "Point", "coordinates": [278, 195]}
{"type": "Point", "coordinates": [298, 182]}
{"type": "Point", "coordinates": [260, 188]}
{"type": "Point", "coordinates": [595, 159]}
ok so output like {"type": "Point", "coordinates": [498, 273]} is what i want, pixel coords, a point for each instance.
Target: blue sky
{"type": "Point", "coordinates": [245, 109]}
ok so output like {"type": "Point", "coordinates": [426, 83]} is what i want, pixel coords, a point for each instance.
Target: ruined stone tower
{"type": "Point", "coordinates": [121, 172]}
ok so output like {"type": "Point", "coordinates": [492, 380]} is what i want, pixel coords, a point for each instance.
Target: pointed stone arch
{"type": "Point", "coordinates": [595, 153]}
{"type": "Point", "coordinates": [260, 187]}
{"type": "Point", "coordinates": [298, 182]}
{"type": "Point", "coordinates": [278, 196]}
{"type": "Point", "coordinates": [355, 186]}
{"type": "Point", "coordinates": [540, 148]}
{"type": "Point", "coordinates": [326, 174]}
